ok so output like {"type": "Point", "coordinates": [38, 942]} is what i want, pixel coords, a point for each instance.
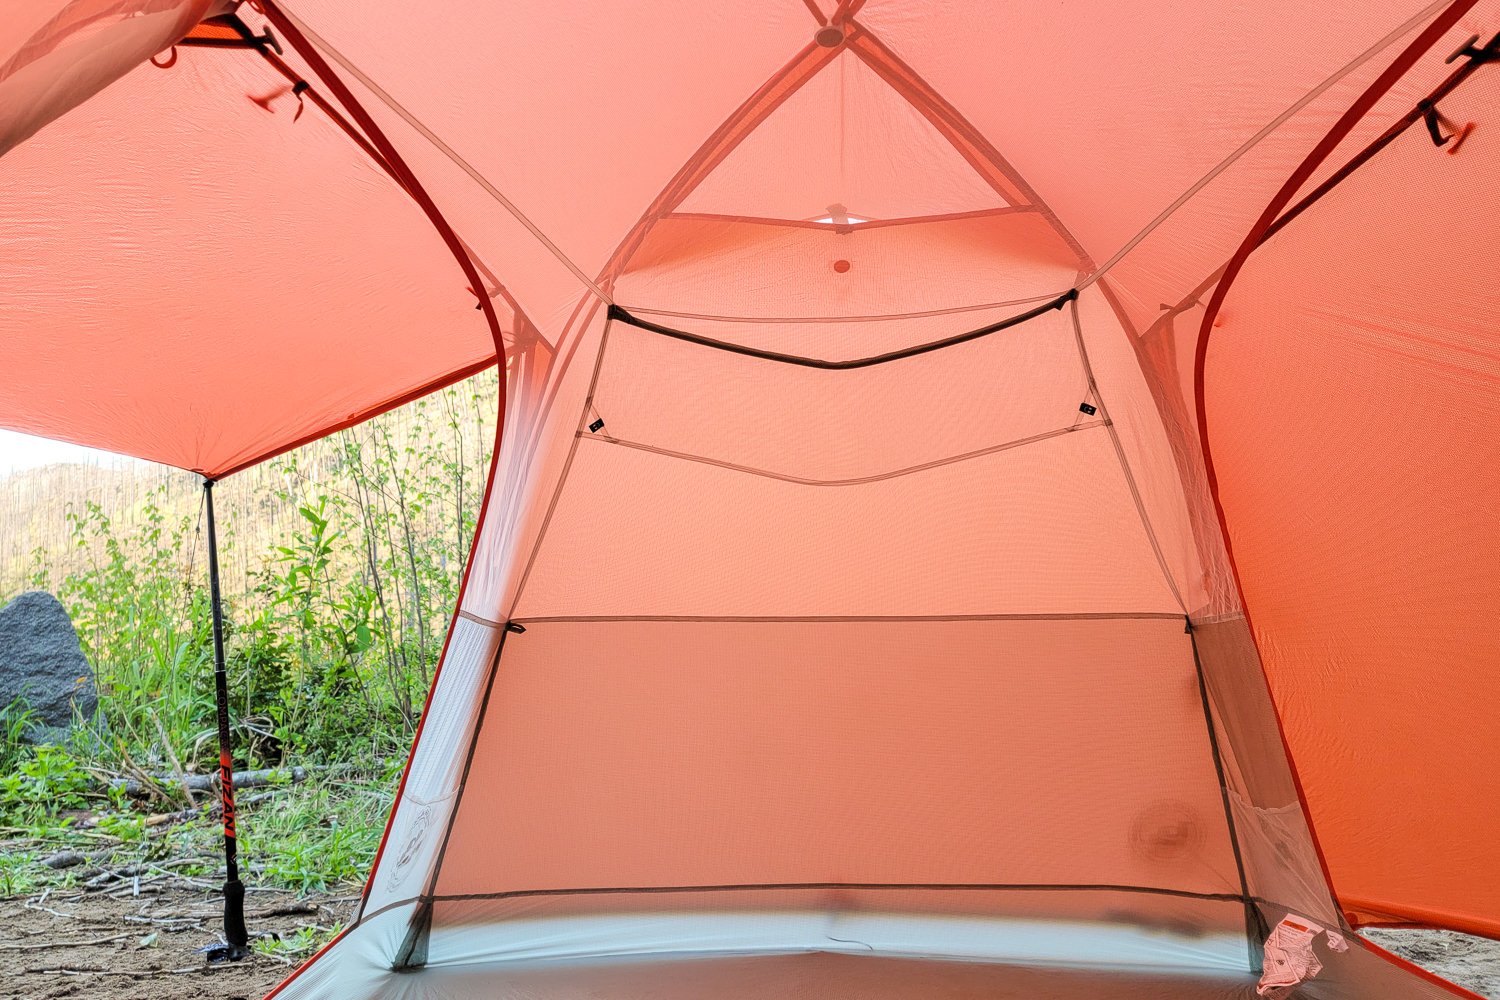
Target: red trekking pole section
{"type": "Point", "coordinates": [236, 938]}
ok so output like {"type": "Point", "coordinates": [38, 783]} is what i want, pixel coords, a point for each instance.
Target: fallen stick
{"type": "Point", "coordinates": [155, 824]}
{"type": "Point", "coordinates": [145, 974]}
{"type": "Point", "coordinates": [149, 786]}
{"type": "Point", "coordinates": [67, 859]}
{"type": "Point", "coordinates": [136, 788]}
{"type": "Point", "coordinates": [104, 878]}
{"type": "Point", "coordinates": [289, 910]}
{"type": "Point", "coordinates": [63, 944]}
{"type": "Point", "coordinates": [64, 859]}
{"type": "Point", "coordinates": [209, 809]}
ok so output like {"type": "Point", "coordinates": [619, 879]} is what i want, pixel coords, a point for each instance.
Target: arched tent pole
{"type": "Point", "coordinates": [391, 159]}
{"type": "Point", "coordinates": [1356, 113]}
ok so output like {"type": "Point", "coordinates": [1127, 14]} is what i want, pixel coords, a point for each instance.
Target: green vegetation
{"type": "Point", "coordinates": [332, 641]}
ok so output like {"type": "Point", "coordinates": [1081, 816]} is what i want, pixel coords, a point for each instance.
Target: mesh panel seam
{"type": "Point", "coordinates": [1270, 127]}
{"type": "Point", "coordinates": [1114, 437]}
{"type": "Point", "coordinates": [437, 143]}
{"type": "Point", "coordinates": [856, 481]}
{"type": "Point", "coordinates": [562, 478]}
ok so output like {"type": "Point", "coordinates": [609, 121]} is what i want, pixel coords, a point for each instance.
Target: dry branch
{"type": "Point", "coordinates": [63, 944]}
{"type": "Point", "coordinates": [138, 788]}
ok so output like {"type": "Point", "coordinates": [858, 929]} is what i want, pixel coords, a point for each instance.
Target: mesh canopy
{"type": "Point", "coordinates": [990, 502]}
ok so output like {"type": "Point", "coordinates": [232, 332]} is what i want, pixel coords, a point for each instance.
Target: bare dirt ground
{"type": "Point", "coordinates": [72, 944]}
{"type": "Point", "coordinates": [1470, 962]}
{"type": "Point", "coordinates": [99, 947]}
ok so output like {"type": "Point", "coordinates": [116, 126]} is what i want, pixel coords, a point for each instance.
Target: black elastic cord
{"type": "Point", "coordinates": [1433, 119]}
{"type": "Point", "coordinates": [1476, 58]}
{"type": "Point", "coordinates": [620, 314]}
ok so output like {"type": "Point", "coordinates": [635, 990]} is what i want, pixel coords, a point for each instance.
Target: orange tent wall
{"type": "Point", "coordinates": [775, 606]}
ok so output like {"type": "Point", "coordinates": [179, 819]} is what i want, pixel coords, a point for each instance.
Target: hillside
{"type": "Point", "coordinates": [257, 508]}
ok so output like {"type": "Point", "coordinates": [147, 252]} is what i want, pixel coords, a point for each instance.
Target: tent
{"type": "Point", "coordinates": [993, 499]}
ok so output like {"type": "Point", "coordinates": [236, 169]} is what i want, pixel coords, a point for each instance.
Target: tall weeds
{"type": "Point", "coordinates": [338, 622]}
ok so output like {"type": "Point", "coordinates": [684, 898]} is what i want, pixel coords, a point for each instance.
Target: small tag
{"type": "Point", "coordinates": [1088, 408]}
{"type": "Point", "coordinates": [1290, 959]}
{"type": "Point", "coordinates": [596, 426]}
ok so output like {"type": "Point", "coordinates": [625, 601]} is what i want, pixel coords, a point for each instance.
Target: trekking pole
{"type": "Point", "coordinates": [237, 938]}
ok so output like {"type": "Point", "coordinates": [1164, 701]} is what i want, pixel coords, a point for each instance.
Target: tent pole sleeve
{"type": "Point", "coordinates": [235, 932]}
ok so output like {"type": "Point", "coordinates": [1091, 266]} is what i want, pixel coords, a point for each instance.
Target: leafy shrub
{"type": "Point", "coordinates": [331, 641]}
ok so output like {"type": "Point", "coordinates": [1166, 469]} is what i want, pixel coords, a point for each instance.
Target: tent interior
{"type": "Point", "coordinates": [908, 406]}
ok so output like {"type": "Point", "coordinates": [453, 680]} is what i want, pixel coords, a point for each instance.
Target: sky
{"type": "Point", "coordinates": [22, 451]}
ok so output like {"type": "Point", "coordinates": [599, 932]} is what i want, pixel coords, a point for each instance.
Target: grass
{"type": "Point", "coordinates": [18, 874]}
{"type": "Point", "coordinates": [314, 837]}
{"type": "Point", "coordinates": [333, 635]}
{"type": "Point", "coordinates": [319, 835]}
{"type": "Point", "coordinates": [296, 946]}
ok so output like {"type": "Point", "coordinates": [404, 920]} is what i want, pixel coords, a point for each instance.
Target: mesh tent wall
{"type": "Point", "coordinates": [860, 601]}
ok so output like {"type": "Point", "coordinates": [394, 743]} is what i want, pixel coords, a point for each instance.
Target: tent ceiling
{"type": "Point", "coordinates": [198, 271]}
{"type": "Point", "coordinates": [280, 277]}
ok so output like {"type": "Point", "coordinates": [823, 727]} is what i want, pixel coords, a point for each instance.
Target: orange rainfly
{"type": "Point", "coordinates": [994, 500]}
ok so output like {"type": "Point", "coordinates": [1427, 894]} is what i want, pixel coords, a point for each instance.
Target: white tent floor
{"type": "Point", "coordinates": [821, 975]}
{"type": "Point", "coordinates": [740, 957]}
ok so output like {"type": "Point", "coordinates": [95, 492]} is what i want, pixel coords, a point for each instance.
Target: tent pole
{"type": "Point", "coordinates": [235, 934]}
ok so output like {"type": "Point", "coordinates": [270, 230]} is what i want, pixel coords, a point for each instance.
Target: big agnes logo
{"type": "Point", "coordinates": [420, 823]}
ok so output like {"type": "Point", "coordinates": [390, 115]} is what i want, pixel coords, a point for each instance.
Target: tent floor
{"type": "Point", "coordinates": [814, 976]}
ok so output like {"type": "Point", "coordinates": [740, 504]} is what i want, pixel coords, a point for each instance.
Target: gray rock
{"type": "Point", "coordinates": [42, 666]}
